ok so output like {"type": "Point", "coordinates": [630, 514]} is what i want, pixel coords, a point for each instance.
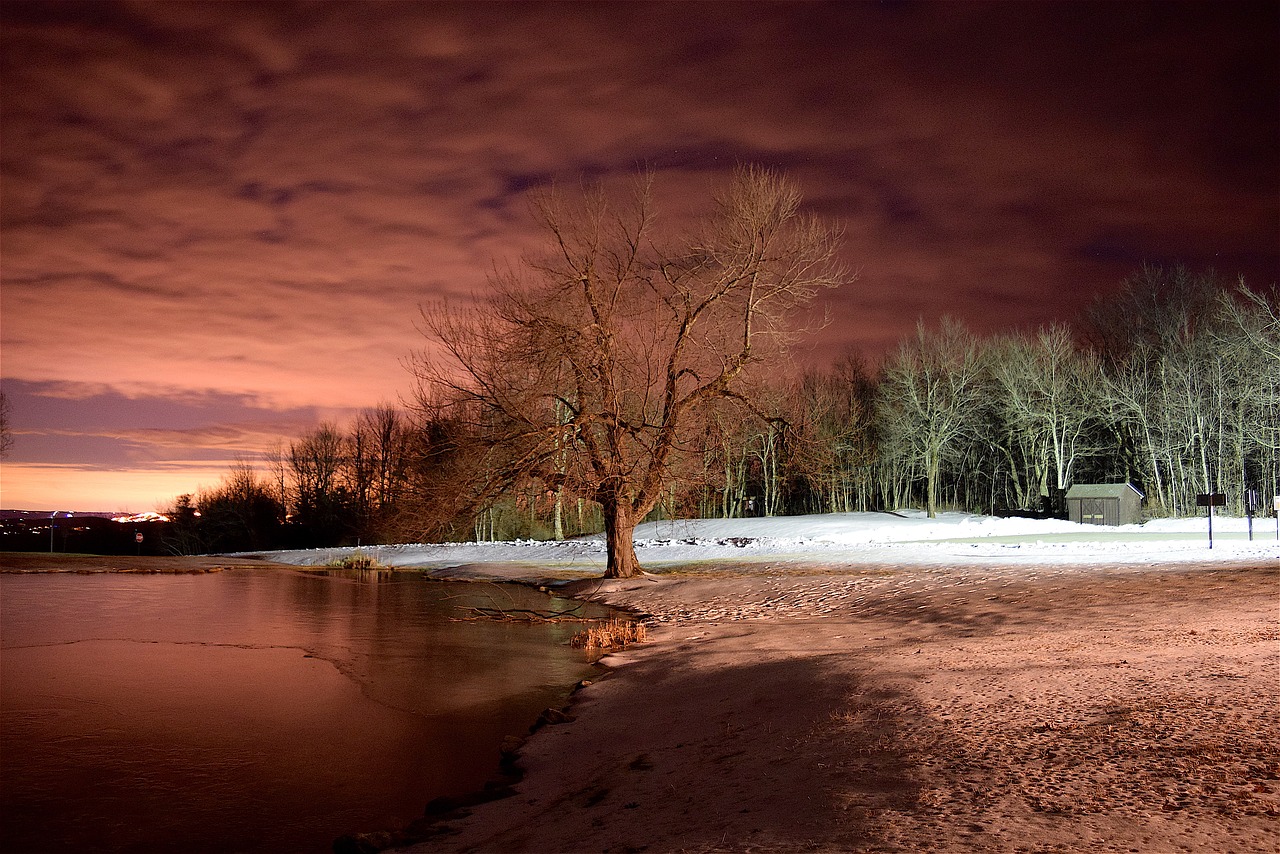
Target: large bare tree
{"type": "Point", "coordinates": [590, 367]}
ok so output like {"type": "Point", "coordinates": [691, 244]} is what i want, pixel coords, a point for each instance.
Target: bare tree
{"type": "Point", "coordinates": [591, 366]}
{"type": "Point", "coordinates": [832, 441]}
{"type": "Point", "coordinates": [1256, 317]}
{"type": "Point", "coordinates": [321, 501]}
{"type": "Point", "coordinates": [388, 432]}
{"type": "Point", "coordinates": [930, 394]}
{"type": "Point", "coordinates": [1048, 388]}
{"type": "Point", "coordinates": [1246, 343]}
{"type": "Point", "coordinates": [376, 467]}
{"type": "Point", "coordinates": [724, 473]}
{"type": "Point", "coordinates": [277, 466]}
{"type": "Point", "coordinates": [239, 514]}
{"type": "Point", "coordinates": [1191, 383]}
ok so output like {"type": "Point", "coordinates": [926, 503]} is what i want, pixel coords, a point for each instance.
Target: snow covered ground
{"type": "Point", "coordinates": [903, 538]}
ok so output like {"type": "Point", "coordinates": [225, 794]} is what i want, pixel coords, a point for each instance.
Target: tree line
{"type": "Point", "coordinates": [330, 486]}
{"type": "Point", "coordinates": [1171, 383]}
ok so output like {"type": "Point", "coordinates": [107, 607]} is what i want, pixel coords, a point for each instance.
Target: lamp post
{"type": "Point", "coordinates": [53, 525]}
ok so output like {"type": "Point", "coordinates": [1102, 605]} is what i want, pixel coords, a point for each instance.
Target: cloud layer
{"type": "Point", "coordinates": [247, 202]}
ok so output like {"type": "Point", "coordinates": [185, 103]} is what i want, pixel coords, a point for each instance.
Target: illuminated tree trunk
{"type": "Point", "coordinates": [932, 473]}
{"type": "Point", "coordinates": [619, 535]}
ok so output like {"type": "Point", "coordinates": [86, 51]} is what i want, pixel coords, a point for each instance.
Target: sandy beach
{"type": "Point", "coordinates": [1127, 707]}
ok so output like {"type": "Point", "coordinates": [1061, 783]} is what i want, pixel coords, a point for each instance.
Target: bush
{"type": "Point", "coordinates": [358, 560]}
{"type": "Point", "coordinates": [614, 634]}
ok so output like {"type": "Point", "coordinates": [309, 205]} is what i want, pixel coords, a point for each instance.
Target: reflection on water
{"type": "Point", "coordinates": [256, 710]}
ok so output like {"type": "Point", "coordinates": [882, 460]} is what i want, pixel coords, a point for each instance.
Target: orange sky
{"type": "Point", "coordinates": [219, 220]}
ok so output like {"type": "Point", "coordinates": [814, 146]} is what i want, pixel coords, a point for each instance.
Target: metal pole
{"type": "Point", "coordinates": [53, 524]}
{"type": "Point", "coordinates": [1250, 497]}
{"type": "Point", "coordinates": [1211, 521]}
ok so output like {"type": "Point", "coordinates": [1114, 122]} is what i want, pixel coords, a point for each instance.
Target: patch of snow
{"type": "Point", "coordinates": [901, 538]}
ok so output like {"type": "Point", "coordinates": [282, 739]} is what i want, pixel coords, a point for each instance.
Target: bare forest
{"type": "Point", "coordinates": [1172, 383]}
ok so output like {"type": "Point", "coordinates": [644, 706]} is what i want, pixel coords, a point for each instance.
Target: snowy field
{"type": "Point", "coordinates": [905, 538]}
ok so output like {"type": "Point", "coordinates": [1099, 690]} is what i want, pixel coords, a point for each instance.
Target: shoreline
{"type": "Point", "coordinates": [878, 708]}
{"type": "Point", "coordinates": [30, 563]}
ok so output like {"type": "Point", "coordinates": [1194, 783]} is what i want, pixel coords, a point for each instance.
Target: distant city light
{"type": "Point", "coordinates": [142, 517]}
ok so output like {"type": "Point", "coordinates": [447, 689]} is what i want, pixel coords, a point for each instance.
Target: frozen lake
{"type": "Point", "coordinates": [256, 710]}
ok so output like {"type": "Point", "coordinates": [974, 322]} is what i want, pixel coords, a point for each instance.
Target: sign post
{"type": "Point", "coordinates": [1250, 501]}
{"type": "Point", "coordinates": [1211, 500]}
{"type": "Point", "coordinates": [1277, 503]}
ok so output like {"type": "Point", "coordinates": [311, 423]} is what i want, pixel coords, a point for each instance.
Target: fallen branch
{"type": "Point", "coordinates": [524, 615]}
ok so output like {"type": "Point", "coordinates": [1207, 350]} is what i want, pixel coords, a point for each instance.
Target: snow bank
{"type": "Point", "coordinates": [903, 538]}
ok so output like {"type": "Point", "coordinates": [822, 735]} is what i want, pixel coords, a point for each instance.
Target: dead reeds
{"type": "Point", "coordinates": [614, 634]}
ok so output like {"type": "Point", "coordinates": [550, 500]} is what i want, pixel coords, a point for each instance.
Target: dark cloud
{"type": "Point", "coordinates": [64, 405]}
{"type": "Point", "coordinates": [250, 200]}
{"type": "Point", "coordinates": [93, 427]}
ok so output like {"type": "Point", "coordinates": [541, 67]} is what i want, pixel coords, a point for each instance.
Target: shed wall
{"type": "Point", "coordinates": [1095, 511]}
{"type": "Point", "coordinates": [1125, 509]}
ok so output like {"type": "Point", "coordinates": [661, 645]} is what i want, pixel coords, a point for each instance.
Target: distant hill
{"type": "Point", "coordinates": [6, 515]}
{"type": "Point", "coordinates": [86, 532]}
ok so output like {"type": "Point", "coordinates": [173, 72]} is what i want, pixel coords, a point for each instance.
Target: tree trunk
{"type": "Point", "coordinates": [619, 530]}
{"type": "Point", "coordinates": [558, 518]}
{"type": "Point", "coordinates": [933, 468]}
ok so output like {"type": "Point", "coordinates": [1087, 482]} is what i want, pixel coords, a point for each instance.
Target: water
{"type": "Point", "coordinates": [255, 710]}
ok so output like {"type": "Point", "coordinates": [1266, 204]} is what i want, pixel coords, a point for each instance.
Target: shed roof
{"type": "Point", "coordinates": [1101, 490]}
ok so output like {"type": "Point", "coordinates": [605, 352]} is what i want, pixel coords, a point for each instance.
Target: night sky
{"type": "Point", "coordinates": [219, 220]}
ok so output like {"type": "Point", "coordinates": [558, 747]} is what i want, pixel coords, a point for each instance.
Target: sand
{"type": "Point", "coordinates": [1022, 709]}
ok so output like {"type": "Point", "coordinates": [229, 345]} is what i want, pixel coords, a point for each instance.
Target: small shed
{"type": "Point", "coordinates": [1104, 503]}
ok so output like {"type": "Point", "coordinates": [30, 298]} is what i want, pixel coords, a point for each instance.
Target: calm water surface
{"type": "Point", "coordinates": [255, 710]}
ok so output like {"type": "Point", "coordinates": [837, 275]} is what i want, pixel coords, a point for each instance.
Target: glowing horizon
{"type": "Point", "coordinates": [55, 487]}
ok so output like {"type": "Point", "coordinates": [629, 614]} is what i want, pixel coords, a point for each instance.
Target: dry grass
{"type": "Point", "coordinates": [614, 634]}
{"type": "Point", "coordinates": [357, 560]}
